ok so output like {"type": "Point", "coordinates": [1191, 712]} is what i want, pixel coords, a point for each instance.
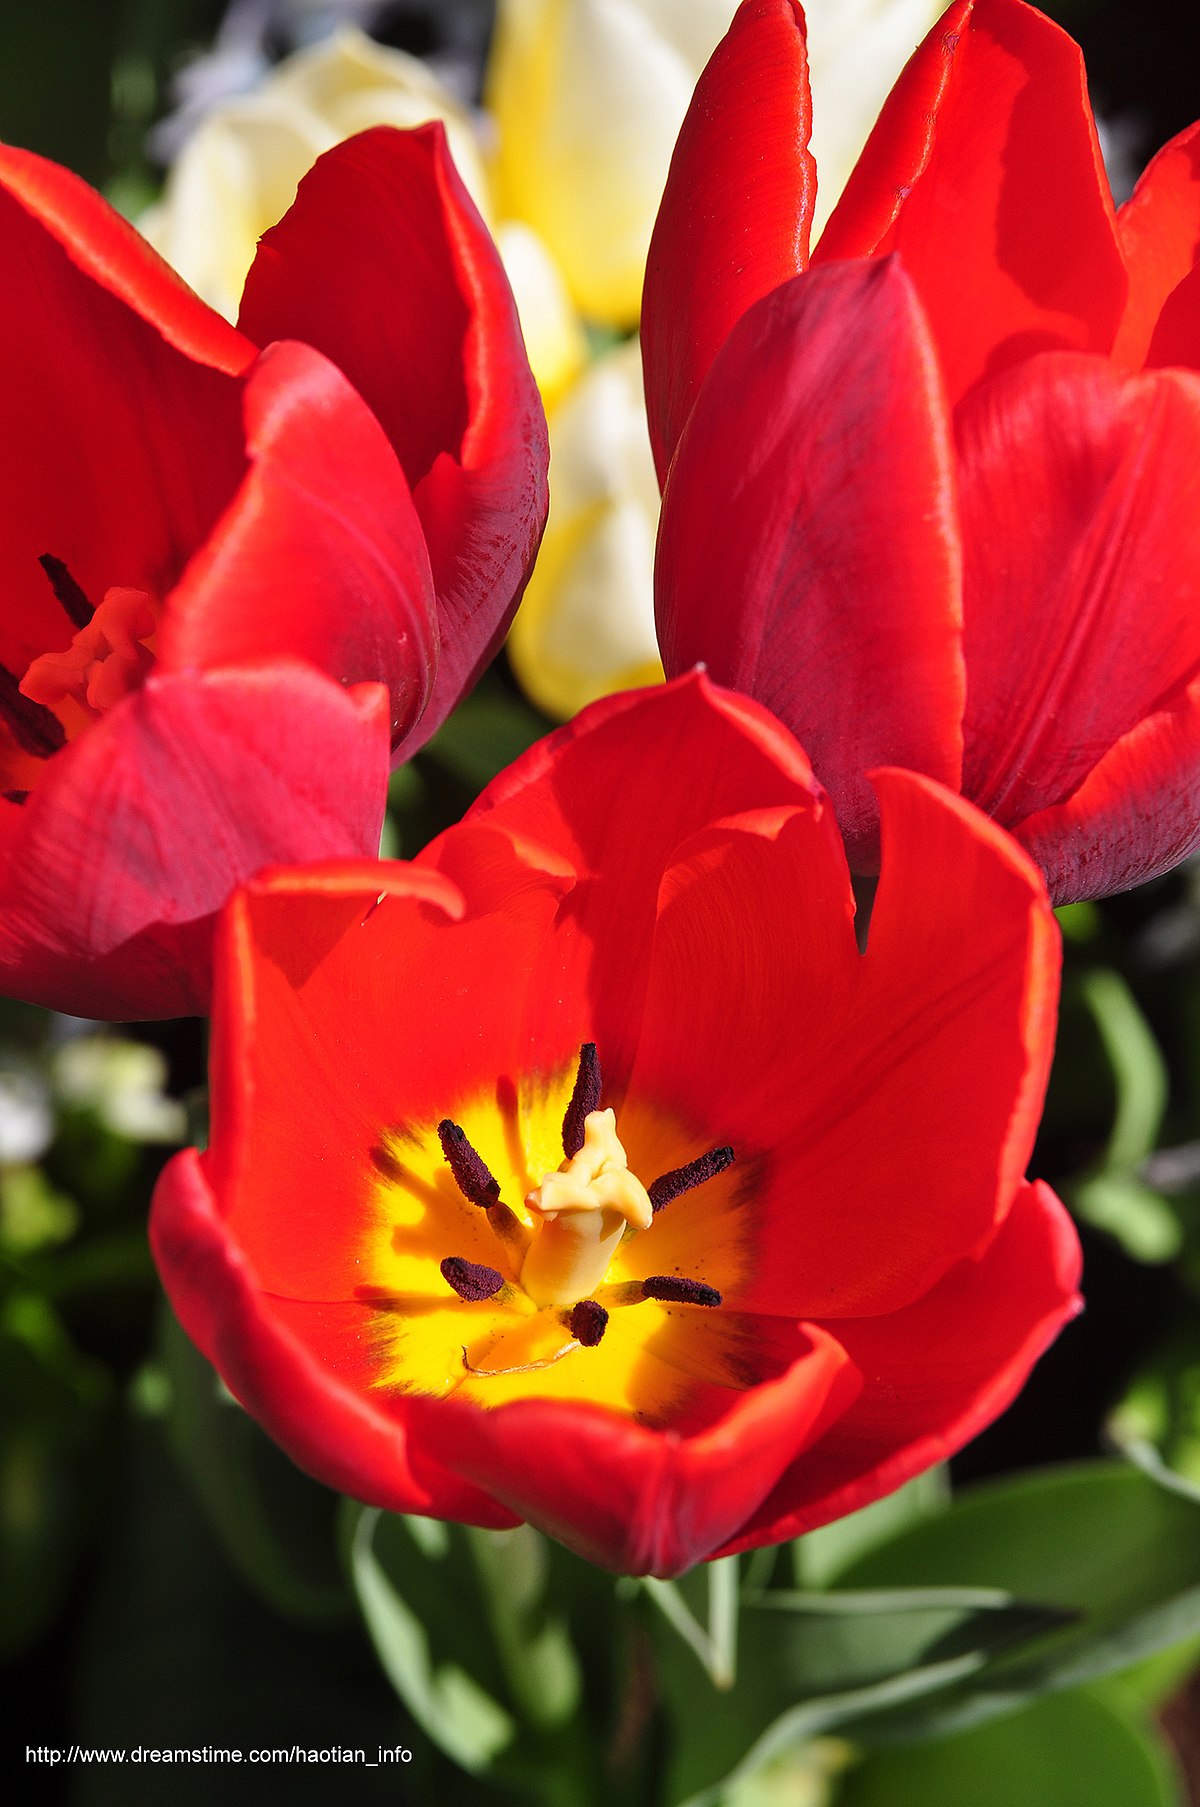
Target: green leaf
{"type": "Point", "coordinates": [1099, 1539]}
{"type": "Point", "coordinates": [470, 1630]}
{"type": "Point", "coordinates": [1142, 1221]}
{"type": "Point", "coordinates": [1162, 1406]}
{"type": "Point", "coordinates": [278, 1528]}
{"type": "Point", "coordinates": [531, 1635]}
{"type": "Point", "coordinates": [177, 1652]}
{"type": "Point", "coordinates": [1113, 1198]}
{"type": "Point", "coordinates": [1081, 922]}
{"type": "Point", "coordinates": [1139, 1071]}
{"type": "Point", "coordinates": [53, 1416]}
{"type": "Point", "coordinates": [486, 732]}
{"type": "Point", "coordinates": [1069, 1750]}
{"type": "Point", "coordinates": [821, 1555]}
{"type": "Point", "coordinates": [34, 1215]}
{"type": "Point", "coordinates": [416, 1633]}
{"type": "Point", "coordinates": [810, 1663]}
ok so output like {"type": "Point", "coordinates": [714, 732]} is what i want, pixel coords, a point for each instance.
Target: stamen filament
{"type": "Point", "coordinates": [515, 1235]}
{"type": "Point", "coordinates": [525, 1367]}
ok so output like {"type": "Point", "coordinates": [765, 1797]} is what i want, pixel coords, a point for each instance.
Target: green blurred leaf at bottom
{"type": "Point", "coordinates": [177, 1653]}
{"type": "Point", "coordinates": [467, 1627]}
{"type": "Point", "coordinates": [1069, 1750]}
{"type": "Point", "coordinates": [814, 1663]}
{"type": "Point", "coordinates": [411, 1578]}
{"type": "Point", "coordinates": [1099, 1539]}
{"type": "Point", "coordinates": [54, 1411]}
{"type": "Point", "coordinates": [277, 1526]}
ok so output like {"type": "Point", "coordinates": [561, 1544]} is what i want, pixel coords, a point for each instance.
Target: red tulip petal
{"type": "Point", "coordinates": [300, 1371]}
{"type": "Point", "coordinates": [1133, 817]}
{"type": "Point", "coordinates": [121, 433]}
{"type": "Point", "coordinates": [736, 212]}
{"type": "Point", "coordinates": [1159, 231]}
{"type": "Point", "coordinates": [1090, 482]}
{"type": "Point", "coordinates": [140, 829]}
{"type": "Point", "coordinates": [822, 413]}
{"type": "Point", "coordinates": [984, 172]}
{"type": "Point", "coordinates": [320, 556]}
{"type": "Point", "coordinates": [632, 1499]}
{"type": "Point", "coordinates": [112, 254]}
{"type": "Point", "coordinates": [421, 319]}
{"type": "Point", "coordinates": [1176, 338]}
{"type": "Point", "coordinates": [345, 1015]}
{"type": "Point", "coordinates": [937, 1373]}
{"type": "Point", "coordinates": [679, 757]}
{"type": "Point", "coordinates": [746, 998]}
{"type": "Point", "coordinates": [886, 1104]}
{"type": "Point", "coordinates": [590, 974]}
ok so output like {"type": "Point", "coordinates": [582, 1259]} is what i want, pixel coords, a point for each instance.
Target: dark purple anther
{"type": "Point", "coordinates": [471, 1173]}
{"type": "Point", "coordinates": [35, 728]}
{"type": "Point", "coordinates": [75, 605]}
{"type": "Point", "coordinates": [588, 1322]}
{"type": "Point", "coordinates": [584, 1099]}
{"type": "Point", "coordinates": [671, 1290]}
{"type": "Point", "coordinates": [470, 1279]}
{"type": "Point", "coordinates": [683, 1179]}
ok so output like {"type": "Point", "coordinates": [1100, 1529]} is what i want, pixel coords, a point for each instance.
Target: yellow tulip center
{"type": "Point", "coordinates": [500, 1272]}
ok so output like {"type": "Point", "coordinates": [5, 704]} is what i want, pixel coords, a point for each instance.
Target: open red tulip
{"type": "Point", "coordinates": [935, 497]}
{"type": "Point", "coordinates": [235, 578]}
{"type": "Point", "coordinates": [584, 1172]}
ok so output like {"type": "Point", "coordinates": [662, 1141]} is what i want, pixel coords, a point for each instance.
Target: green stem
{"type": "Point", "coordinates": [716, 1647]}
{"type": "Point", "coordinates": [723, 1620]}
{"type": "Point", "coordinates": [674, 1609]}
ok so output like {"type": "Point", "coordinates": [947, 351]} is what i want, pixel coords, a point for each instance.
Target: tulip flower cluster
{"type": "Point", "coordinates": [596, 1168]}
{"type": "Point", "coordinates": [584, 100]}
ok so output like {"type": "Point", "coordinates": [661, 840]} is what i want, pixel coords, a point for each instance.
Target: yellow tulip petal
{"type": "Point", "coordinates": [856, 49]}
{"type": "Point", "coordinates": [238, 172]}
{"type": "Point", "coordinates": [589, 96]}
{"type": "Point", "coordinates": [554, 335]}
{"type": "Point", "coordinates": [586, 624]}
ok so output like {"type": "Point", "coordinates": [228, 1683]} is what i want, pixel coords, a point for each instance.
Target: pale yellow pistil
{"type": "Point", "coordinates": [105, 661]}
{"type": "Point", "coordinates": [580, 1214]}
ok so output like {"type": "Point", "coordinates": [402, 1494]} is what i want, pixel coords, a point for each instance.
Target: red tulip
{"type": "Point", "coordinates": [936, 499]}
{"type": "Point", "coordinates": [233, 578]}
{"type": "Point", "coordinates": [584, 1172]}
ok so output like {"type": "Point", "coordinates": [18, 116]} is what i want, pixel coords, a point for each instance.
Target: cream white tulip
{"type": "Point", "coordinates": [238, 172]}
{"type": "Point", "coordinates": [588, 97]}
{"type": "Point", "coordinates": [586, 624]}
